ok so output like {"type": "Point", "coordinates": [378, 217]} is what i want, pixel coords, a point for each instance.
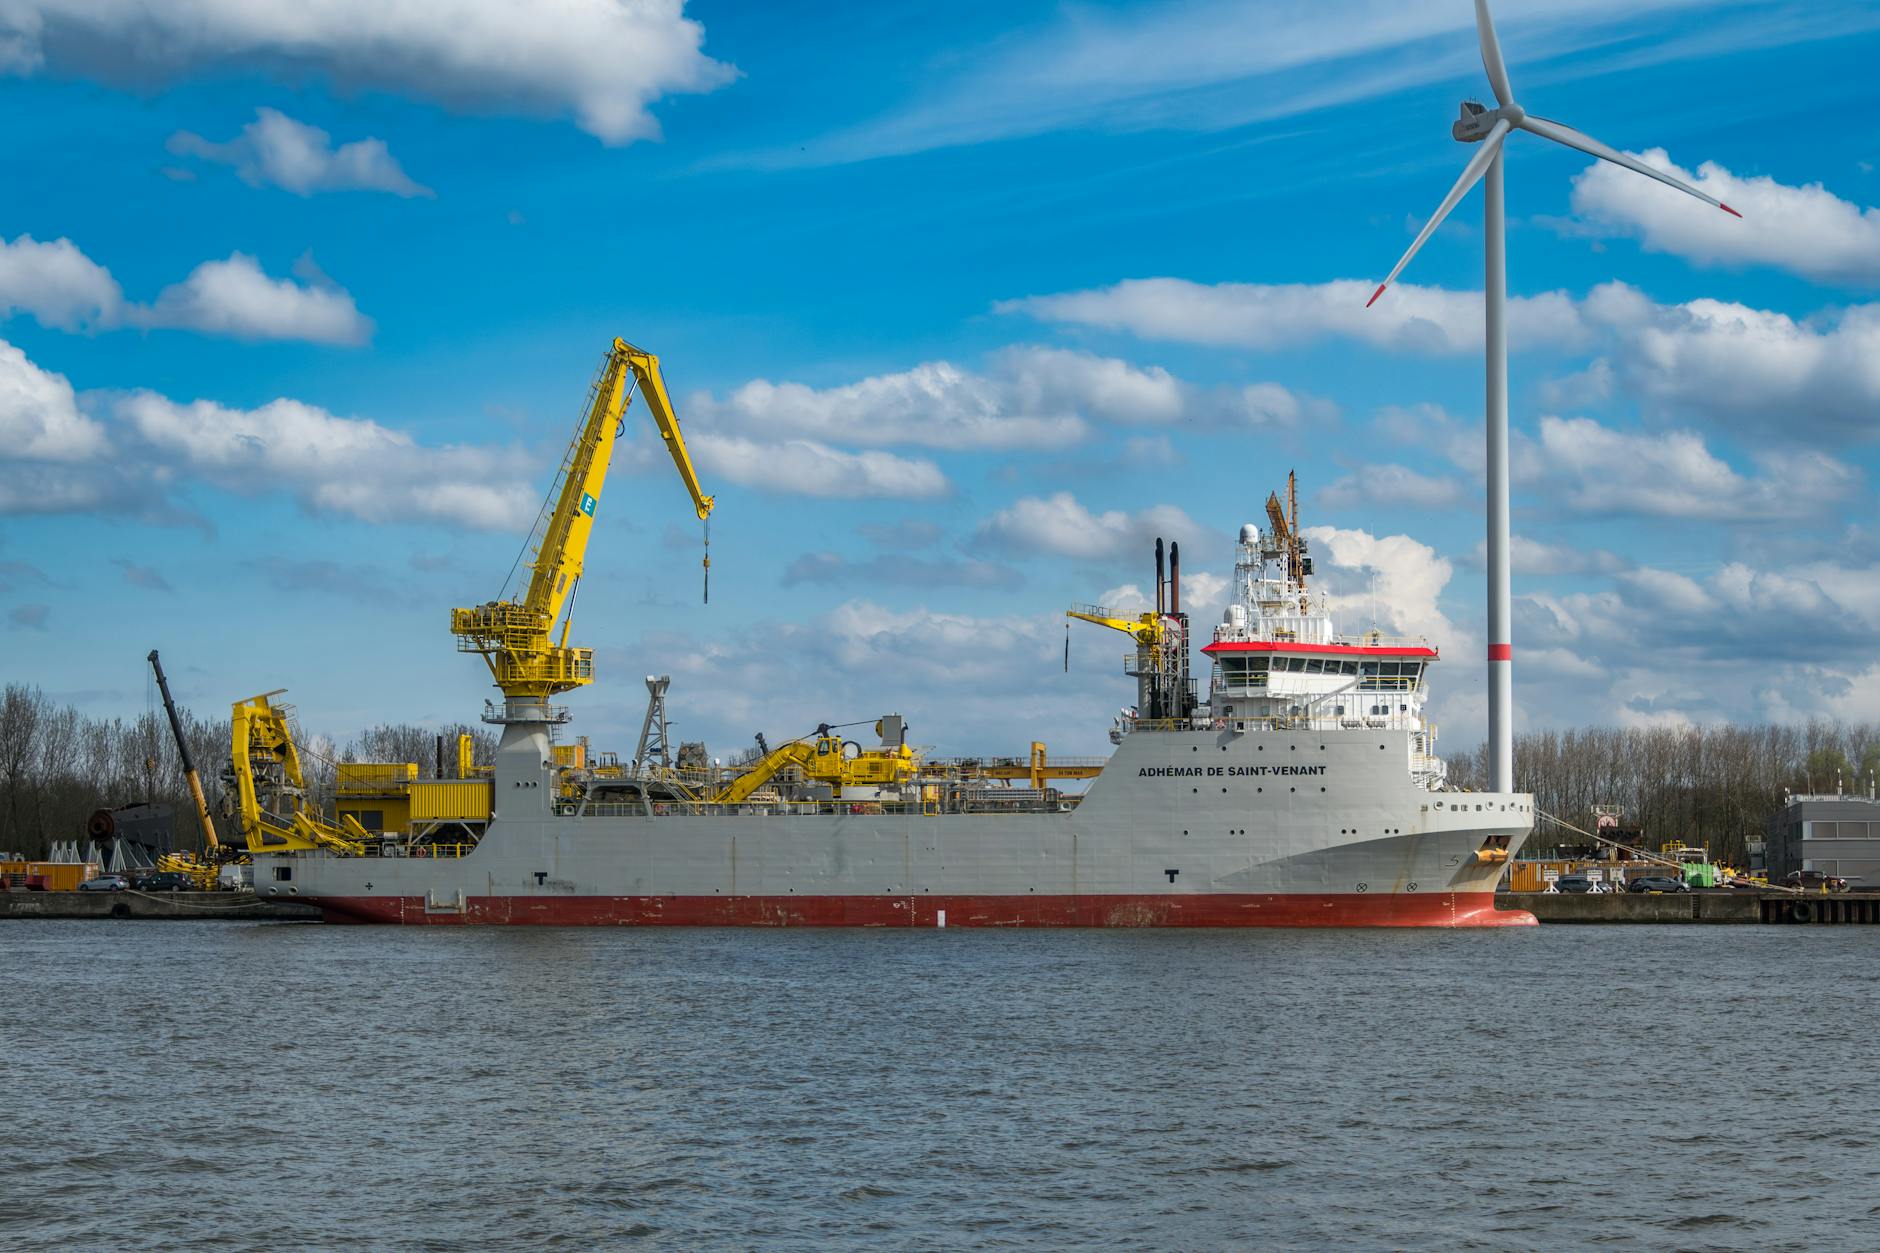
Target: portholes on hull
{"type": "Point", "coordinates": [1321, 789]}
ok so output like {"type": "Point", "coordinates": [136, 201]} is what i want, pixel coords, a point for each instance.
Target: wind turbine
{"type": "Point", "coordinates": [1479, 124]}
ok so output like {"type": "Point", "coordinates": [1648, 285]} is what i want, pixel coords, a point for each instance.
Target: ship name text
{"type": "Point", "coordinates": [1219, 772]}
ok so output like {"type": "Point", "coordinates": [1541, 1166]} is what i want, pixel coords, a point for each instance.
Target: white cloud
{"type": "Point", "coordinates": [804, 467]}
{"type": "Point", "coordinates": [1674, 474]}
{"type": "Point", "coordinates": [1738, 643]}
{"type": "Point", "coordinates": [1756, 368]}
{"type": "Point", "coordinates": [604, 61]}
{"type": "Point", "coordinates": [1390, 486]}
{"type": "Point", "coordinates": [1584, 466]}
{"type": "Point", "coordinates": [62, 287]}
{"type": "Point", "coordinates": [1395, 577]}
{"type": "Point", "coordinates": [39, 416]}
{"type": "Point", "coordinates": [1434, 429]}
{"type": "Point", "coordinates": [899, 569]}
{"type": "Point", "coordinates": [1058, 524]}
{"type": "Point", "coordinates": [1409, 318]}
{"type": "Point", "coordinates": [1532, 556]}
{"type": "Point", "coordinates": [1806, 230]}
{"type": "Point", "coordinates": [934, 405]}
{"type": "Point", "coordinates": [1044, 380]}
{"type": "Point", "coordinates": [966, 683]}
{"type": "Point", "coordinates": [1806, 379]}
{"type": "Point", "coordinates": [1214, 64]}
{"type": "Point", "coordinates": [274, 148]}
{"type": "Point", "coordinates": [1203, 596]}
{"type": "Point", "coordinates": [349, 466]}
{"type": "Point", "coordinates": [1028, 397]}
{"type": "Point", "coordinates": [236, 298]}
{"type": "Point", "coordinates": [56, 283]}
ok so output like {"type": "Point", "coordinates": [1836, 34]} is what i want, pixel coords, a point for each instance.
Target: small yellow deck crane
{"type": "Point", "coordinates": [517, 638]}
{"type": "Point", "coordinates": [1160, 664]}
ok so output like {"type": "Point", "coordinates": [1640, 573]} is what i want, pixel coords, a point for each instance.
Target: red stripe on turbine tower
{"type": "Point", "coordinates": [1501, 652]}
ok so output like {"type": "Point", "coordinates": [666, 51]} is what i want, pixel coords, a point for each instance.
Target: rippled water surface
{"type": "Point", "coordinates": [277, 1085]}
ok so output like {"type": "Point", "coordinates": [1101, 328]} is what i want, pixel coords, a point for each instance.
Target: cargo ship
{"type": "Point", "coordinates": [1300, 787]}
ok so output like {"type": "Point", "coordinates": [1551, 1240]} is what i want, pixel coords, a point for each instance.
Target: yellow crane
{"type": "Point", "coordinates": [201, 868]}
{"type": "Point", "coordinates": [1147, 629]}
{"type": "Point", "coordinates": [517, 638]}
{"type": "Point", "coordinates": [270, 789]}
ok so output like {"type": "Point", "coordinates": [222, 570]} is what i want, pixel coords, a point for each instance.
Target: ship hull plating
{"type": "Point", "coordinates": [1332, 909]}
{"type": "Point", "coordinates": [1190, 828]}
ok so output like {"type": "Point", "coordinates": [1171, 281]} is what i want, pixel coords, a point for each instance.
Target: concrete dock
{"type": "Point", "coordinates": [1789, 908]}
{"type": "Point", "coordinates": [180, 906]}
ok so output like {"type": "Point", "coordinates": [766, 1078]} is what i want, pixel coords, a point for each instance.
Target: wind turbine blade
{"type": "Point", "coordinates": [1491, 55]}
{"type": "Point", "coordinates": [1471, 175]}
{"type": "Point", "coordinates": [1593, 148]}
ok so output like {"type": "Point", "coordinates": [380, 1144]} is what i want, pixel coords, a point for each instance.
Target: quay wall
{"type": "Point", "coordinates": [193, 906]}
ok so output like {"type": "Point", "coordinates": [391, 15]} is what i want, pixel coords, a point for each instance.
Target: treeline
{"type": "Point", "coordinates": [57, 766]}
{"type": "Point", "coordinates": [1709, 785]}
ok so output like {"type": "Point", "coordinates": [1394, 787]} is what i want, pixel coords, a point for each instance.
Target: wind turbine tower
{"type": "Point", "coordinates": [1478, 124]}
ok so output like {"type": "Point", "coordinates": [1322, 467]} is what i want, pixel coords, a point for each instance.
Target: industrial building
{"type": "Point", "coordinates": [1837, 835]}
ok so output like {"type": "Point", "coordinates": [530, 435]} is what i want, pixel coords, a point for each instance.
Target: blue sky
{"type": "Point", "coordinates": [961, 308]}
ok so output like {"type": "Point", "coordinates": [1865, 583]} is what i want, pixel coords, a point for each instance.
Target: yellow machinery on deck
{"type": "Point", "coordinates": [270, 789]}
{"type": "Point", "coordinates": [517, 638]}
{"type": "Point", "coordinates": [1036, 770]}
{"type": "Point", "coordinates": [824, 758]}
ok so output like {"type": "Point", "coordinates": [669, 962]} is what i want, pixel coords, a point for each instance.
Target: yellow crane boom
{"type": "Point", "coordinates": [1144, 628]}
{"type": "Point", "coordinates": [515, 637]}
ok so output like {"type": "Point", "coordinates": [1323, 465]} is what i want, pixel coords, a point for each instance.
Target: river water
{"type": "Point", "coordinates": [275, 1085]}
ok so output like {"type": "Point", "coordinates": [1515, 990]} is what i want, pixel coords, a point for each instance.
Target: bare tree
{"type": "Point", "coordinates": [22, 709]}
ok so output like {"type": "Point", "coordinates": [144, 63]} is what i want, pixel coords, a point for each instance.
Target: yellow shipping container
{"type": "Point", "coordinates": [369, 775]}
{"type": "Point", "coordinates": [52, 876]}
{"type": "Point", "coordinates": [451, 800]}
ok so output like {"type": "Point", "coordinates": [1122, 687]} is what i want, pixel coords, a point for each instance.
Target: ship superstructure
{"type": "Point", "coordinates": [1303, 790]}
{"type": "Point", "coordinates": [1279, 663]}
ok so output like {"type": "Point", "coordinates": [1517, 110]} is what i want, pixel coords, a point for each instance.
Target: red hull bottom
{"type": "Point", "coordinates": [1331, 909]}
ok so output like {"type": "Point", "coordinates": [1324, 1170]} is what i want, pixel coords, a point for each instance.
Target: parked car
{"type": "Point", "coordinates": [1573, 883]}
{"type": "Point", "coordinates": [1814, 881]}
{"type": "Point", "coordinates": [1657, 883]}
{"type": "Point", "coordinates": [106, 883]}
{"type": "Point", "coordinates": [163, 881]}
